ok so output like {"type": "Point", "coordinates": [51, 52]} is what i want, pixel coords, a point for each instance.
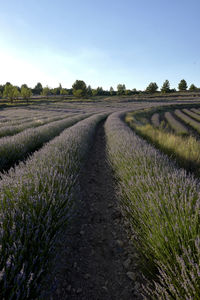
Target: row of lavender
{"type": "Point", "coordinates": [19, 116]}
{"type": "Point", "coordinates": [13, 128]}
{"type": "Point", "coordinates": [178, 119]}
{"type": "Point", "coordinates": [17, 147]}
{"type": "Point", "coordinates": [162, 205]}
{"type": "Point", "coordinates": [36, 201]}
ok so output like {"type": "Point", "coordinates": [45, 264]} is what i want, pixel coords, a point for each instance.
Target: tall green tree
{"type": "Point", "coordinates": [94, 92]}
{"type": "Point", "coordinates": [182, 86]}
{"type": "Point", "coordinates": [80, 86]}
{"type": "Point", "coordinates": [89, 91]}
{"type": "Point", "coordinates": [11, 92]}
{"type": "Point", "coordinates": [128, 92]}
{"type": "Point", "coordinates": [16, 92]}
{"type": "Point", "coordinates": [152, 88]}
{"type": "Point", "coordinates": [193, 88]}
{"type": "Point", "coordinates": [1, 89]}
{"type": "Point", "coordinates": [165, 87]}
{"type": "Point", "coordinates": [26, 93]}
{"type": "Point", "coordinates": [99, 91]}
{"type": "Point", "coordinates": [111, 91]}
{"type": "Point", "coordinates": [63, 92]}
{"type": "Point", "coordinates": [46, 91]}
{"type": "Point", "coordinates": [79, 93]}
{"type": "Point", "coordinates": [24, 85]}
{"type": "Point", "coordinates": [121, 88]}
{"type": "Point", "coordinates": [134, 91]}
{"type": "Point", "coordinates": [37, 90]}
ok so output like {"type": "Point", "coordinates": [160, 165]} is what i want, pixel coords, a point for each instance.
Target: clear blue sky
{"type": "Point", "coordinates": [101, 42]}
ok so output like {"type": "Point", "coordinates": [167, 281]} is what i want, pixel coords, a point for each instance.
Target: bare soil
{"type": "Point", "coordinates": [96, 260]}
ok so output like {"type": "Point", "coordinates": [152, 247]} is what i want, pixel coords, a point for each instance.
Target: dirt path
{"type": "Point", "coordinates": [96, 262]}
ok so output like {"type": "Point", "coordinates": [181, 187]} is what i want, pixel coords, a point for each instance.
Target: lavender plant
{"type": "Point", "coordinates": [36, 201]}
{"type": "Point", "coordinates": [11, 129]}
{"type": "Point", "coordinates": [161, 203]}
{"type": "Point", "coordinates": [194, 124]}
{"type": "Point", "coordinates": [195, 110]}
{"type": "Point", "coordinates": [155, 120]}
{"type": "Point", "coordinates": [17, 147]}
{"type": "Point", "coordinates": [176, 125]}
{"type": "Point", "coordinates": [192, 114]}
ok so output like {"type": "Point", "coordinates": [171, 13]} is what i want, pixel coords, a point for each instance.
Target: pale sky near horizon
{"type": "Point", "coordinates": [101, 42]}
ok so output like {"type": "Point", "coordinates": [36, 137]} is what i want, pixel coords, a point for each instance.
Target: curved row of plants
{"type": "Point", "coordinates": [180, 120]}
{"type": "Point", "coordinates": [162, 204]}
{"type": "Point", "coordinates": [175, 139]}
{"type": "Point", "coordinates": [17, 147]}
{"type": "Point", "coordinates": [36, 202]}
{"type": "Point", "coordinates": [19, 116]}
{"type": "Point", "coordinates": [189, 120]}
{"type": "Point", "coordinates": [11, 129]}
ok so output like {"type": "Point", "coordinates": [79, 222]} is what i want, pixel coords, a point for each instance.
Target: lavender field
{"type": "Point", "coordinates": [134, 220]}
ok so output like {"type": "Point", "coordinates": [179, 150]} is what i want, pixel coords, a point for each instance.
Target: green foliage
{"type": "Point", "coordinates": [79, 93]}
{"type": "Point", "coordinates": [134, 91]}
{"type": "Point", "coordinates": [89, 91]}
{"type": "Point", "coordinates": [99, 91]}
{"type": "Point", "coordinates": [11, 92]}
{"type": "Point", "coordinates": [24, 85]}
{"type": "Point", "coordinates": [26, 93]}
{"type": "Point", "coordinates": [193, 88]}
{"type": "Point", "coordinates": [79, 88]}
{"type": "Point", "coordinates": [46, 91]}
{"type": "Point", "coordinates": [152, 88]}
{"type": "Point", "coordinates": [1, 89]}
{"type": "Point", "coordinates": [111, 91]}
{"type": "Point", "coordinates": [128, 92]}
{"type": "Point", "coordinates": [166, 87]}
{"type": "Point", "coordinates": [94, 92]}
{"type": "Point", "coordinates": [79, 85]}
{"type": "Point", "coordinates": [63, 92]}
{"type": "Point", "coordinates": [38, 89]}
{"type": "Point", "coordinates": [182, 86]}
{"type": "Point", "coordinates": [121, 88]}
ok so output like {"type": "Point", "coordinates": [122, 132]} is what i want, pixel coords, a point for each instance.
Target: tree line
{"type": "Point", "coordinates": [80, 89]}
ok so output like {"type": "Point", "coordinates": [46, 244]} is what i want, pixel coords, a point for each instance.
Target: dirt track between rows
{"type": "Point", "coordinates": [97, 260]}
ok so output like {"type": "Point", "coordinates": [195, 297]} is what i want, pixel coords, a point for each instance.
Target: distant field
{"type": "Point", "coordinates": [153, 150]}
